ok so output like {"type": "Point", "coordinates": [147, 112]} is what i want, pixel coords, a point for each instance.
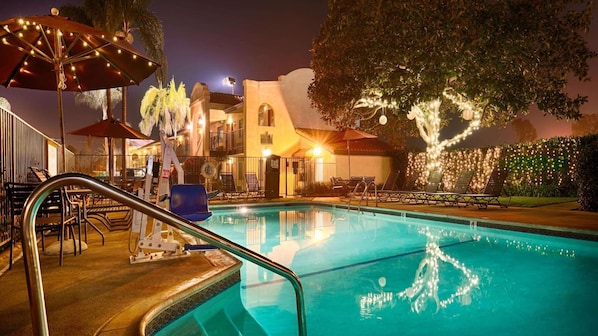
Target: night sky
{"type": "Point", "coordinates": [207, 41]}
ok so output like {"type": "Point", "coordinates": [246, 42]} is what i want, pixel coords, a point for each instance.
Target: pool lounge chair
{"type": "Point", "coordinates": [229, 187]}
{"type": "Point", "coordinates": [252, 186]}
{"type": "Point", "coordinates": [340, 186]}
{"type": "Point", "coordinates": [420, 196]}
{"type": "Point", "coordinates": [452, 198]}
{"type": "Point", "coordinates": [491, 193]}
{"type": "Point", "coordinates": [389, 187]}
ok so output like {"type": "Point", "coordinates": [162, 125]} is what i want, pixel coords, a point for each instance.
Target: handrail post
{"type": "Point", "coordinates": [31, 255]}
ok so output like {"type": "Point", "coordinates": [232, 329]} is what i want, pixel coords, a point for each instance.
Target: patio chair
{"type": "Point", "coordinates": [340, 186]}
{"type": "Point", "coordinates": [252, 186]}
{"type": "Point", "coordinates": [452, 198]}
{"type": "Point", "coordinates": [389, 187]}
{"type": "Point", "coordinates": [491, 192]}
{"type": "Point", "coordinates": [229, 187]}
{"type": "Point", "coordinates": [433, 185]}
{"type": "Point", "coordinates": [55, 214]}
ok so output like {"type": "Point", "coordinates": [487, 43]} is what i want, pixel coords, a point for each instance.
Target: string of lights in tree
{"type": "Point", "coordinates": [428, 121]}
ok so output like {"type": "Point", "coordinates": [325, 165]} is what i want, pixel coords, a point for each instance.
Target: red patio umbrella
{"type": "Point", "coordinates": [353, 134]}
{"type": "Point", "coordinates": [110, 128]}
{"type": "Point", "coordinates": [51, 52]}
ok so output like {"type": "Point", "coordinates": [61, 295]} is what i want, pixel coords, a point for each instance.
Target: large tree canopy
{"type": "Point", "coordinates": [502, 55]}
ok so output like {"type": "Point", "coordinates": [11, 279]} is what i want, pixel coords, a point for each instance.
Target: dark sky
{"type": "Point", "coordinates": [209, 40]}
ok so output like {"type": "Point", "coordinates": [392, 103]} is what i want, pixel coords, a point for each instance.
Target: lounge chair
{"type": "Point", "coordinates": [389, 187]}
{"type": "Point", "coordinates": [491, 193]}
{"type": "Point", "coordinates": [229, 187]}
{"type": "Point", "coordinates": [420, 196]}
{"type": "Point", "coordinates": [340, 186]}
{"type": "Point", "coordinates": [252, 186]}
{"type": "Point", "coordinates": [453, 197]}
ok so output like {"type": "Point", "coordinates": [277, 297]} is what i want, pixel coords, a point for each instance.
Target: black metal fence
{"type": "Point", "coordinates": [296, 174]}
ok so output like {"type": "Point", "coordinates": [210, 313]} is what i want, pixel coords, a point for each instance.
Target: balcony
{"type": "Point", "coordinates": [227, 143]}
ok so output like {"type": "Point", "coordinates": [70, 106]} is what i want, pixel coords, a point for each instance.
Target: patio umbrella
{"type": "Point", "coordinates": [51, 52]}
{"type": "Point", "coordinates": [110, 128]}
{"type": "Point", "coordinates": [353, 134]}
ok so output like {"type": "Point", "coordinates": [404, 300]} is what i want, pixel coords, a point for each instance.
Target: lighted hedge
{"type": "Point", "coordinates": [542, 168]}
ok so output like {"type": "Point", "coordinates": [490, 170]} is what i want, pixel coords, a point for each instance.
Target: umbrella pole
{"type": "Point", "coordinates": [110, 149]}
{"type": "Point", "coordinates": [60, 112]}
{"type": "Point", "coordinates": [349, 157]}
{"type": "Point", "coordinates": [124, 141]}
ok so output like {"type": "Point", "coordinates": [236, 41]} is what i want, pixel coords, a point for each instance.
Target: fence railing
{"type": "Point", "coordinates": [296, 174]}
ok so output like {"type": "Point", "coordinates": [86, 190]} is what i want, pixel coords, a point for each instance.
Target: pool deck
{"type": "Point", "coordinates": [101, 293]}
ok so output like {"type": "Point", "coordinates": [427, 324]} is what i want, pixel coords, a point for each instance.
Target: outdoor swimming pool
{"type": "Point", "coordinates": [379, 274]}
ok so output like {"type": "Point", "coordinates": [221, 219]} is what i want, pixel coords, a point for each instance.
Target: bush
{"type": "Point", "coordinates": [316, 189]}
{"type": "Point", "coordinates": [586, 175]}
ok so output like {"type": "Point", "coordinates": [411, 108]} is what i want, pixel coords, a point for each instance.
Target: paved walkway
{"type": "Point", "coordinates": [100, 293]}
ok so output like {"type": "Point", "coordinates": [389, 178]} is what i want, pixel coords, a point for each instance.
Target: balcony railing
{"type": "Point", "coordinates": [222, 143]}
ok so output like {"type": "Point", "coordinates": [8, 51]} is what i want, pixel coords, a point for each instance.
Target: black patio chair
{"type": "Point", "coordinates": [491, 193]}
{"type": "Point", "coordinates": [55, 214]}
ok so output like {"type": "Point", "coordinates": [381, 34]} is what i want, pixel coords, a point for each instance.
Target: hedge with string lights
{"type": "Point", "coordinates": [544, 168]}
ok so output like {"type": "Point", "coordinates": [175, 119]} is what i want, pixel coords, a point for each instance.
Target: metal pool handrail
{"type": "Point", "coordinates": [33, 274]}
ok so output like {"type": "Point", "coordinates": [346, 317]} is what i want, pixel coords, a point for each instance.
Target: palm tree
{"type": "Point", "coordinates": [168, 108]}
{"type": "Point", "coordinates": [123, 17]}
{"type": "Point", "coordinates": [96, 99]}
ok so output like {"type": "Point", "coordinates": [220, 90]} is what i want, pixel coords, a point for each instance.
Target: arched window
{"type": "Point", "coordinates": [266, 115]}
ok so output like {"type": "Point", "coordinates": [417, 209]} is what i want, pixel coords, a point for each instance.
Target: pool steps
{"type": "Point", "coordinates": [224, 314]}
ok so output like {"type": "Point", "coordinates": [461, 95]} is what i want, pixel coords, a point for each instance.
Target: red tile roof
{"type": "Point", "coordinates": [225, 98]}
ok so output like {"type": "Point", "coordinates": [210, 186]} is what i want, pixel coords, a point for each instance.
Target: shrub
{"type": "Point", "coordinates": [586, 175]}
{"type": "Point", "coordinates": [316, 189]}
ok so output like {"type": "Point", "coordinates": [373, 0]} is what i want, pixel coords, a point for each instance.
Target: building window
{"type": "Point", "coordinates": [266, 115]}
{"type": "Point", "coordinates": [266, 139]}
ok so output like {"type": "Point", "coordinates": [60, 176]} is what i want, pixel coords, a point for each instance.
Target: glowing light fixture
{"type": "Point", "coordinates": [317, 151]}
{"type": "Point", "coordinates": [230, 81]}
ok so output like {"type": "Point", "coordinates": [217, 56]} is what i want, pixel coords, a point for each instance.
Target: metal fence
{"type": "Point", "coordinates": [296, 174]}
{"type": "Point", "coordinates": [23, 146]}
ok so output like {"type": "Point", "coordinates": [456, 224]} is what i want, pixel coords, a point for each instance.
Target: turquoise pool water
{"type": "Point", "coordinates": [379, 274]}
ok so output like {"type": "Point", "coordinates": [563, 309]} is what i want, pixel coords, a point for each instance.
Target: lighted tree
{"type": "Point", "coordinates": [497, 58]}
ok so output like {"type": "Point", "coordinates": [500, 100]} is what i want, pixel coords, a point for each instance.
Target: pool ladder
{"type": "Point", "coordinates": [33, 274]}
{"type": "Point", "coordinates": [366, 183]}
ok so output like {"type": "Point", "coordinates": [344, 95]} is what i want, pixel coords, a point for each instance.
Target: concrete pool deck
{"type": "Point", "coordinates": [100, 293]}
